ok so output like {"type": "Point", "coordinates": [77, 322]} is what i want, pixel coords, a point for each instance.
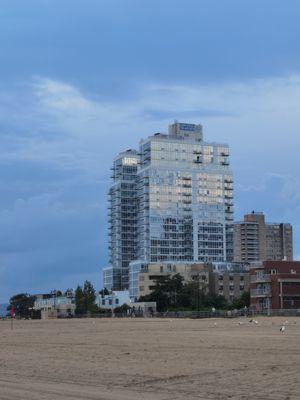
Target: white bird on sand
{"type": "Point", "coordinates": [282, 329]}
{"type": "Point", "coordinates": [241, 323]}
{"type": "Point", "coordinates": [253, 320]}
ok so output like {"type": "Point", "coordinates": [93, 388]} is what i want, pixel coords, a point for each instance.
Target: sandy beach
{"type": "Point", "coordinates": [162, 359]}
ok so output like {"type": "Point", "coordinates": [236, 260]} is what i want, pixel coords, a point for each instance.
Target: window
{"type": "Point", "coordinates": [117, 301]}
{"type": "Point", "coordinates": [142, 288]}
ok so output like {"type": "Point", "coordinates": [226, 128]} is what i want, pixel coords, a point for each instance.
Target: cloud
{"type": "Point", "coordinates": [69, 126]}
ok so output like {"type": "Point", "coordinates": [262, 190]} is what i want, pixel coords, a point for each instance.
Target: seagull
{"type": "Point", "coordinates": [282, 329]}
{"type": "Point", "coordinates": [253, 320]}
{"type": "Point", "coordinates": [241, 323]}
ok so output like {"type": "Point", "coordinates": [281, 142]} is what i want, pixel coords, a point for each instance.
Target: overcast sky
{"type": "Point", "coordinates": [81, 80]}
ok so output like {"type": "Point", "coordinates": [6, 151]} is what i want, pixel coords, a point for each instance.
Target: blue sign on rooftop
{"type": "Point", "coordinates": [187, 127]}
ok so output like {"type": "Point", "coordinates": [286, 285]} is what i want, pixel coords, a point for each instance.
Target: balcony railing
{"type": "Point", "coordinates": [260, 292]}
{"type": "Point", "coordinates": [260, 278]}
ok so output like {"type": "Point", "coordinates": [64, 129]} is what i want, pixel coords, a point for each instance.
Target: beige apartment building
{"type": "Point", "coordinates": [147, 276]}
{"type": "Point", "coordinates": [230, 282]}
{"type": "Point", "coordinates": [256, 240]}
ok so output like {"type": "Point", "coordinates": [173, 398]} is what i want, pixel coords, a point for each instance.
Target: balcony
{"type": "Point", "coordinates": [260, 278]}
{"type": "Point", "coordinates": [262, 292]}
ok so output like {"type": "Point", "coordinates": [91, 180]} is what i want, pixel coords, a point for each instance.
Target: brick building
{"type": "Point", "coordinates": [275, 285]}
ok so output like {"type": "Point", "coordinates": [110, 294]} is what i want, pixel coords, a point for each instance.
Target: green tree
{"type": "Point", "coordinates": [89, 296]}
{"type": "Point", "coordinates": [165, 292]}
{"type": "Point", "coordinates": [23, 305]}
{"type": "Point", "coordinates": [85, 299]}
{"type": "Point", "coordinates": [192, 296]}
{"type": "Point", "coordinates": [216, 301]}
{"type": "Point", "coordinates": [242, 302]}
{"type": "Point", "coordinates": [122, 309]}
{"type": "Point", "coordinates": [79, 299]}
{"type": "Point", "coordinates": [104, 292]}
{"type": "Point", "coordinates": [172, 293]}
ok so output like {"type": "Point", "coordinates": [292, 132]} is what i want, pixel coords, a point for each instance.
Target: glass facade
{"type": "Point", "coordinates": [123, 204]}
{"type": "Point", "coordinates": [180, 205]}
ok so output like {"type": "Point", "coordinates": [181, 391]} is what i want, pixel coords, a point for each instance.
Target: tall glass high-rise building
{"type": "Point", "coordinates": [179, 207]}
{"type": "Point", "coordinates": [123, 209]}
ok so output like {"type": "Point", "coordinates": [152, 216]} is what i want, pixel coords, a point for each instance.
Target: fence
{"type": "Point", "coordinates": [201, 314]}
{"type": "Point", "coordinates": [228, 313]}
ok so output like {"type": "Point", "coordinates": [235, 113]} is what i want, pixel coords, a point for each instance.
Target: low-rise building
{"type": "Point", "coordinates": [143, 275]}
{"type": "Point", "coordinates": [52, 306]}
{"type": "Point", "coordinates": [231, 282]}
{"type": "Point", "coordinates": [275, 285]}
{"type": "Point", "coordinates": [114, 299]}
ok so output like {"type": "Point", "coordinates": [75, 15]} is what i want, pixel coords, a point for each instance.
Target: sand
{"type": "Point", "coordinates": [147, 359]}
